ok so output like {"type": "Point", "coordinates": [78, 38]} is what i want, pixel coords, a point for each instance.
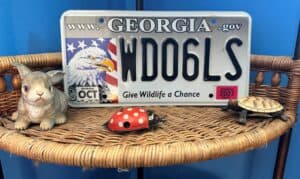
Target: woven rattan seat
{"type": "Point", "coordinates": [189, 134]}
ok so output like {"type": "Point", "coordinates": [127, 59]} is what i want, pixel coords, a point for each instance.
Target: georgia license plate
{"type": "Point", "coordinates": [118, 58]}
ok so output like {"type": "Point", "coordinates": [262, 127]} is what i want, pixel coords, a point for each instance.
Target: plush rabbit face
{"type": "Point", "coordinates": [37, 87]}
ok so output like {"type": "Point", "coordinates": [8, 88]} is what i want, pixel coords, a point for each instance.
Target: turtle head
{"type": "Point", "coordinates": [233, 104]}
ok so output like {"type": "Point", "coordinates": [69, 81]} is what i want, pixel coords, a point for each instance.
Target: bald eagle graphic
{"type": "Point", "coordinates": [88, 67]}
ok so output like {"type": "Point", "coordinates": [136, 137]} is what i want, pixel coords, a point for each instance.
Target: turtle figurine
{"type": "Point", "coordinates": [256, 106]}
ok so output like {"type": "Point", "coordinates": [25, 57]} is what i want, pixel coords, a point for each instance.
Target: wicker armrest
{"type": "Point", "coordinates": [33, 61]}
{"type": "Point", "coordinates": [288, 95]}
{"type": "Point", "coordinates": [189, 134]}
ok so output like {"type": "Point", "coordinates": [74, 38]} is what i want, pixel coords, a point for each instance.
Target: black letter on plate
{"type": "Point", "coordinates": [128, 60]}
{"type": "Point", "coordinates": [207, 76]}
{"type": "Point", "coordinates": [233, 59]}
{"type": "Point", "coordinates": [145, 42]}
{"type": "Point", "coordinates": [190, 56]}
{"type": "Point", "coordinates": [165, 44]}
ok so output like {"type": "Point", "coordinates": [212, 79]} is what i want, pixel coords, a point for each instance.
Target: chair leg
{"type": "Point", "coordinates": [140, 173]}
{"type": "Point", "coordinates": [282, 153]}
{"type": "Point", "coordinates": [1, 171]}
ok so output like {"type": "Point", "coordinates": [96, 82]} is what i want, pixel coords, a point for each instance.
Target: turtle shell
{"type": "Point", "coordinates": [260, 104]}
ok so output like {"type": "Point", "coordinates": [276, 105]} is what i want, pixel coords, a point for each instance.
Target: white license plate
{"type": "Point", "coordinates": [119, 58]}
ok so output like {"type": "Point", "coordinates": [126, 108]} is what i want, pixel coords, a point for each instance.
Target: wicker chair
{"type": "Point", "coordinates": [190, 134]}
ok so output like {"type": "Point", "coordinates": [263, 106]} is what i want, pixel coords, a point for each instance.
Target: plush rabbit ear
{"type": "Point", "coordinates": [23, 70]}
{"type": "Point", "coordinates": [56, 76]}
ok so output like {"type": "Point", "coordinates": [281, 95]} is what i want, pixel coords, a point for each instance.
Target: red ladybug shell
{"type": "Point", "coordinates": [129, 119]}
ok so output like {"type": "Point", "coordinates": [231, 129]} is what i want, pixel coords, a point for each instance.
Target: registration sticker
{"type": "Point", "coordinates": [120, 58]}
{"type": "Point", "coordinates": [226, 92]}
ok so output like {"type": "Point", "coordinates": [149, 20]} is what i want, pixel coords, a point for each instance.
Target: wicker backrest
{"type": "Point", "coordinates": [288, 95]}
{"type": "Point", "coordinates": [277, 66]}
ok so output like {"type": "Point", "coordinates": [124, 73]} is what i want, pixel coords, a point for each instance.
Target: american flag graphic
{"type": "Point", "coordinates": [111, 77]}
{"type": "Point", "coordinates": [92, 62]}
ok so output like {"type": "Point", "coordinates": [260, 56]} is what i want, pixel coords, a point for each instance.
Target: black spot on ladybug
{"type": "Point", "coordinates": [211, 95]}
{"type": "Point", "coordinates": [126, 124]}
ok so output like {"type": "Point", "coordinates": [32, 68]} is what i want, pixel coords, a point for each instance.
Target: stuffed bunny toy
{"type": "Point", "coordinates": [40, 101]}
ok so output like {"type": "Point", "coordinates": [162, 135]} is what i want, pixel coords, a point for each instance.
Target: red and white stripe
{"type": "Point", "coordinates": [112, 50]}
{"type": "Point", "coordinates": [112, 77]}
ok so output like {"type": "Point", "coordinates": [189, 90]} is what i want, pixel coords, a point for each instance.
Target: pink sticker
{"type": "Point", "coordinates": [226, 92]}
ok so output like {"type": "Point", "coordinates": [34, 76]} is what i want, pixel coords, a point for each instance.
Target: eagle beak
{"type": "Point", "coordinates": [106, 65]}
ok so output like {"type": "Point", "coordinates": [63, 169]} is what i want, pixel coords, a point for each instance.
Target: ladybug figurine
{"type": "Point", "coordinates": [132, 119]}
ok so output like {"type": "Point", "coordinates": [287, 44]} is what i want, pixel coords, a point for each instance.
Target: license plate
{"type": "Point", "coordinates": [119, 58]}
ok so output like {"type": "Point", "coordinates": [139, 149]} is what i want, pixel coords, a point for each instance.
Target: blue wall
{"type": "Point", "coordinates": [32, 26]}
